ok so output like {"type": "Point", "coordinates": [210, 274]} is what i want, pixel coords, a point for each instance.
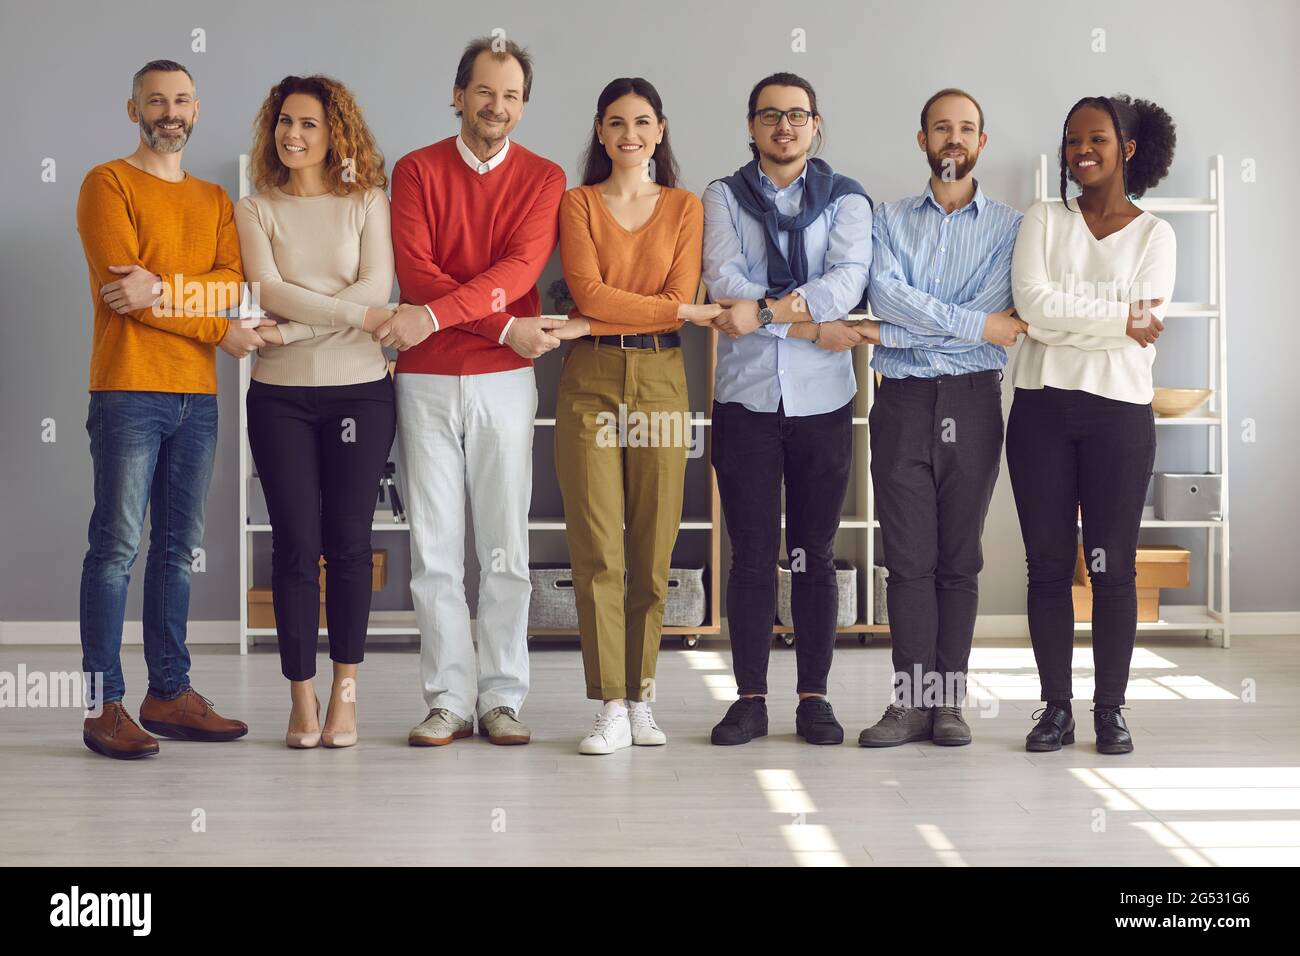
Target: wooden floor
{"type": "Point", "coordinates": [1214, 780]}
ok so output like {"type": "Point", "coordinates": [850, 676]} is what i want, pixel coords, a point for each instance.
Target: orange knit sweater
{"type": "Point", "coordinates": [631, 281]}
{"type": "Point", "coordinates": [185, 233]}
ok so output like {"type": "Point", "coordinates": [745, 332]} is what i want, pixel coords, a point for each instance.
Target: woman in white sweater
{"type": "Point", "coordinates": [321, 414]}
{"type": "Point", "coordinates": [1090, 277]}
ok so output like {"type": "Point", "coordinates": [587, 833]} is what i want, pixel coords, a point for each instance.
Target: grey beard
{"type": "Point", "coordinates": [164, 144]}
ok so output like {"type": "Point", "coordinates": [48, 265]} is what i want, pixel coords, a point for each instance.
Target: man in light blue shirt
{"type": "Point", "coordinates": [787, 249]}
{"type": "Point", "coordinates": [941, 289]}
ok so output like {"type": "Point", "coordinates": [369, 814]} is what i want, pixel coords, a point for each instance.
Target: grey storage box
{"type": "Point", "coordinates": [846, 579]}
{"type": "Point", "coordinates": [554, 604]}
{"type": "Point", "coordinates": [684, 606]}
{"type": "Point", "coordinates": [879, 607]}
{"type": "Point", "coordinates": [1188, 497]}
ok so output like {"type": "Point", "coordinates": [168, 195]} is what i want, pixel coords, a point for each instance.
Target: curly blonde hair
{"type": "Point", "coordinates": [350, 138]}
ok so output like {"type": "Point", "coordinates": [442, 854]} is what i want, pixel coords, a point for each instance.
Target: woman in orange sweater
{"type": "Point", "coordinates": [630, 243]}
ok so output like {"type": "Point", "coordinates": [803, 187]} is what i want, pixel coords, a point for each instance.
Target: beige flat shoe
{"type": "Point", "coordinates": [304, 741]}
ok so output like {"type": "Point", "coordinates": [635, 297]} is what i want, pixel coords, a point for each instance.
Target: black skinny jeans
{"type": "Point", "coordinates": [1066, 449]}
{"type": "Point", "coordinates": [752, 452]}
{"type": "Point", "coordinates": [319, 452]}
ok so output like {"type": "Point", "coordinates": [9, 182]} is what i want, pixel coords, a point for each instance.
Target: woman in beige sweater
{"type": "Point", "coordinates": [321, 415]}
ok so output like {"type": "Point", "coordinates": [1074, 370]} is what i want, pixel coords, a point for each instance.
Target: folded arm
{"type": "Point", "coordinates": [725, 270]}
{"type": "Point", "coordinates": [108, 237]}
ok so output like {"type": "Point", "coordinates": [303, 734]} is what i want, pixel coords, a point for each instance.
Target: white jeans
{"type": "Point", "coordinates": [472, 433]}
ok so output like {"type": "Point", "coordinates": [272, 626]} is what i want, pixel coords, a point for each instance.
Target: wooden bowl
{"type": "Point", "coordinates": [1176, 402]}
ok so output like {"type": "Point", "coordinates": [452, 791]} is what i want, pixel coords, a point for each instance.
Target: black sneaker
{"type": "Point", "coordinates": [1113, 736]}
{"type": "Point", "coordinates": [815, 722]}
{"type": "Point", "coordinates": [745, 720]}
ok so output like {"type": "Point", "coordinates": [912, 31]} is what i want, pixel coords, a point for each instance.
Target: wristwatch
{"type": "Point", "coordinates": [764, 313]}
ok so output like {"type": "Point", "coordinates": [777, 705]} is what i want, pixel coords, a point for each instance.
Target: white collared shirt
{"type": "Point", "coordinates": [476, 164]}
{"type": "Point", "coordinates": [480, 167]}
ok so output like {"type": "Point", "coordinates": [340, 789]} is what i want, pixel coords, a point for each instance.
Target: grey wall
{"type": "Point", "coordinates": [1227, 72]}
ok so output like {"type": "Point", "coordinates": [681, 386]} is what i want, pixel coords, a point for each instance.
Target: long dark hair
{"type": "Point", "coordinates": [785, 79]}
{"type": "Point", "coordinates": [596, 164]}
{"type": "Point", "coordinates": [1139, 120]}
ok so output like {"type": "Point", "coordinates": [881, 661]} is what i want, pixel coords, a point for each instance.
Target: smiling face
{"type": "Point", "coordinates": [493, 100]}
{"type": "Point", "coordinates": [783, 143]}
{"type": "Point", "coordinates": [165, 110]}
{"type": "Point", "coordinates": [629, 131]}
{"type": "Point", "coordinates": [301, 136]}
{"type": "Point", "coordinates": [1092, 148]}
{"type": "Point", "coordinates": [952, 139]}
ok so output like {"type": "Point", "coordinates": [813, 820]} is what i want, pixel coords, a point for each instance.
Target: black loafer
{"type": "Point", "coordinates": [815, 722]}
{"type": "Point", "coordinates": [745, 720]}
{"type": "Point", "coordinates": [1113, 736]}
{"type": "Point", "coordinates": [1055, 727]}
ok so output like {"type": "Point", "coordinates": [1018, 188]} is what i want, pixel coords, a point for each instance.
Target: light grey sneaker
{"type": "Point", "coordinates": [439, 728]}
{"type": "Point", "coordinates": [500, 726]}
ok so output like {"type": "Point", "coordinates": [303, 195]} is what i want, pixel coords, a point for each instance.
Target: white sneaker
{"type": "Point", "coordinates": [611, 732]}
{"type": "Point", "coordinates": [645, 732]}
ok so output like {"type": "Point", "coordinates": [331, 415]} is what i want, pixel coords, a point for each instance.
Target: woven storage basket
{"type": "Point", "coordinates": [846, 579]}
{"type": "Point", "coordinates": [553, 603]}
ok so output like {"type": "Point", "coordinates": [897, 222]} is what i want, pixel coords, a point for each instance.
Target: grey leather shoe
{"type": "Point", "coordinates": [898, 725]}
{"type": "Point", "coordinates": [950, 728]}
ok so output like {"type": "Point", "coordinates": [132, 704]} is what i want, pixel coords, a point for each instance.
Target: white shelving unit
{"type": "Point", "coordinates": [1211, 618]}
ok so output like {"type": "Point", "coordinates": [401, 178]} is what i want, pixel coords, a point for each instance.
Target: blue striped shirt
{"type": "Point", "coordinates": [764, 368]}
{"type": "Point", "coordinates": [935, 275]}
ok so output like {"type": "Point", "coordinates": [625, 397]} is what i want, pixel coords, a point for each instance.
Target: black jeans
{"type": "Point", "coordinates": [320, 451]}
{"type": "Point", "coordinates": [1068, 449]}
{"type": "Point", "coordinates": [936, 444]}
{"type": "Point", "coordinates": [752, 453]}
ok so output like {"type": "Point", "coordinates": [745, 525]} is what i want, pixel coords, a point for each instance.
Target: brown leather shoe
{"type": "Point", "coordinates": [114, 734]}
{"type": "Point", "coordinates": [188, 717]}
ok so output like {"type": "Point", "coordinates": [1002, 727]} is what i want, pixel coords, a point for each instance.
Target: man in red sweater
{"type": "Point", "coordinates": [474, 223]}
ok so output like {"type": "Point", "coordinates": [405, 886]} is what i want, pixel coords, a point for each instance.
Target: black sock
{"type": "Point", "coordinates": [1063, 704]}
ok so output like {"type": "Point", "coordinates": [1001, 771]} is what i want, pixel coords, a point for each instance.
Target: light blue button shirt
{"type": "Point", "coordinates": [935, 275]}
{"type": "Point", "coordinates": [764, 369]}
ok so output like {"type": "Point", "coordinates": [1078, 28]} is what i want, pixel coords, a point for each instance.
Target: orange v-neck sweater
{"type": "Point", "coordinates": [183, 232]}
{"type": "Point", "coordinates": [631, 281]}
{"type": "Point", "coordinates": [471, 246]}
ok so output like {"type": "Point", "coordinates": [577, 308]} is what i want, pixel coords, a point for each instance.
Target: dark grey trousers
{"type": "Point", "coordinates": [935, 450]}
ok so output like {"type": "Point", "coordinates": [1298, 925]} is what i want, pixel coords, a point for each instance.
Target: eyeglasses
{"type": "Point", "coordinates": [772, 117]}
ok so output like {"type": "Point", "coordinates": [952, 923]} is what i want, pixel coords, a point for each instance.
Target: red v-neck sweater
{"type": "Point", "coordinates": [472, 246]}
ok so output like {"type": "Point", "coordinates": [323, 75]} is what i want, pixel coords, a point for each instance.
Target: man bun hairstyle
{"type": "Point", "coordinates": [1142, 121]}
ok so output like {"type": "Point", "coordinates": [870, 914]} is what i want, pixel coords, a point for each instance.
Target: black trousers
{"type": "Point", "coordinates": [936, 444]}
{"type": "Point", "coordinates": [1067, 450]}
{"type": "Point", "coordinates": [319, 452]}
{"type": "Point", "coordinates": [752, 453]}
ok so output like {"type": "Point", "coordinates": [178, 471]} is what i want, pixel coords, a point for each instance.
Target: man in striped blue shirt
{"type": "Point", "coordinates": [941, 289]}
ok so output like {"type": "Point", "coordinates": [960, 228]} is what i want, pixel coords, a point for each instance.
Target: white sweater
{"type": "Point", "coordinates": [1074, 291]}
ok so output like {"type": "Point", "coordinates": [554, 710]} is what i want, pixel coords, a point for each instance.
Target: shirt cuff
{"type": "Point", "coordinates": [502, 340]}
{"type": "Point", "coordinates": [432, 316]}
{"type": "Point", "coordinates": [969, 324]}
{"type": "Point", "coordinates": [779, 329]}
{"type": "Point", "coordinates": [892, 336]}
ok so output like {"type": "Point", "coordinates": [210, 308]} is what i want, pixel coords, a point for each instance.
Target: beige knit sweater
{"type": "Point", "coordinates": [319, 262]}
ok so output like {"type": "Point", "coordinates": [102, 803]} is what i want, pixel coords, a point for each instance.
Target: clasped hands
{"type": "Point", "coordinates": [739, 317]}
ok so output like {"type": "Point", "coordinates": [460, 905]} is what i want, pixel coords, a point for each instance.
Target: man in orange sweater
{"type": "Point", "coordinates": [475, 219]}
{"type": "Point", "coordinates": [163, 258]}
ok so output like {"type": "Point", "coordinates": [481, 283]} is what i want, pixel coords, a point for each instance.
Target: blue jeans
{"type": "Point", "coordinates": [150, 449]}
